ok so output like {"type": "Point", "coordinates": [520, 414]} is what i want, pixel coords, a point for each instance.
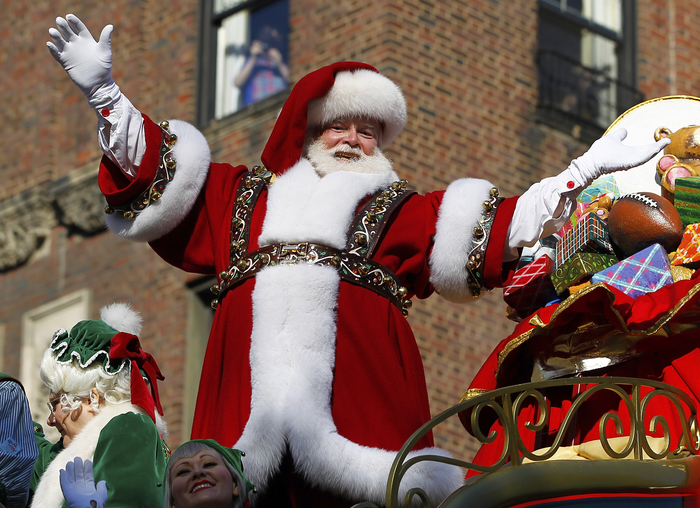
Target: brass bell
{"type": "Point", "coordinates": [155, 195]}
{"type": "Point", "coordinates": [249, 183]}
{"type": "Point", "coordinates": [380, 201]}
{"type": "Point", "coordinates": [216, 289]}
{"type": "Point", "coordinates": [335, 260]}
{"type": "Point", "coordinates": [395, 186]}
{"type": "Point", "coordinates": [361, 238]}
{"type": "Point", "coordinates": [224, 275]}
{"type": "Point", "coordinates": [242, 264]}
{"type": "Point", "coordinates": [403, 183]}
{"type": "Point", "coordinates": [402, 291]}
{"type": "Point", "coordinates": [214, 304]}
{"type": "Point", "coordinates": [363, 269]}
{"type": "Point", "coordinates": [264, 258]}
{"type": "Point", "coordinates": [172, 139]}
{"type": "Point", "coordinates": [109, 210]}
{"type": "Point", "coordinates": [170, 163]}
{"type": "Point", "coordinates": [406, 303]}
{"type": "Point", "coordinates": [478, 231]}
{"type": "Point", "coordinates": [129, 215]}
{"type": "Point", "coordinates": [471, 265]}
{"type": "Point", "coordinates": [487, 206]}
{"type": "Point", "coordinates": [493, 192]}
{"type": "Point", "coordinates": [165, 125]}
{"type": "Point", "coordinates": [372, 217]}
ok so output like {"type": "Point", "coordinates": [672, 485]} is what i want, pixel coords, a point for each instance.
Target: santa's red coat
{"type": "Point", "coordinates": [297, 358]}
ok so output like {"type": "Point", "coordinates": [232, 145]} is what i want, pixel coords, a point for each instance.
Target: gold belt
{"type": "Point", "coordinates": [351, 268]}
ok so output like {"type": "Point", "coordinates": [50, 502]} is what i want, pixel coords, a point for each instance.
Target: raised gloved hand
{"type": "Point", "coordinates": [78, 486]}
{"type": "Point", "coordinates": [608, 154]}
{"type": "Point", "coordinates": [87, 62]}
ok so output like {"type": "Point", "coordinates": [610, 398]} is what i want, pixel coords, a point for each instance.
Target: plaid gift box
{"type": "Point", "coordinates": [531, 287]}
{"type": "Point", "coordinates": [687, 199]}
{"type": "Point", "coordinates": [589, 235]}
{"type": "Point", "coordinates": [579, 267]}
{"type": "Point", "coordinates": [687, 251]}
{"type": "Point", "coordinates": [643, 272]}
{"type": "Point", "coordinates": [603, 185]}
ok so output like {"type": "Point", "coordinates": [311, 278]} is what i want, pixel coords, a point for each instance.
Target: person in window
{"type": "Point", "coordinates": [104, 402]}
{"type": "Point", "coordinates": [311, 367]}
{"type": "Point", "coordinates": [264, 72]}
{"type": "Point", "coordinates": [18, 449]}
{"type": "Point", "coordinates": [200, 474]}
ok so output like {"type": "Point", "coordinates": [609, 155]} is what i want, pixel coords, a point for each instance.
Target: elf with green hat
{"type": "Point", "coordinates": [201, 474]}
{"type": "Point", "coordinates": [104, 402]}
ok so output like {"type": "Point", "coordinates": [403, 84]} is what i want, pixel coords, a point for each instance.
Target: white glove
{"type": "Point", "coordinates": [88, 63]}
{"type": "Point", "coordinates": [608, 154]}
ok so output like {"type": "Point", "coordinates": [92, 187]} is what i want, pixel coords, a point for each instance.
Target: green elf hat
{"type": "Point", "coordinates": [113, 343]}
{"type": "Point", "coordinates": [231, 455]}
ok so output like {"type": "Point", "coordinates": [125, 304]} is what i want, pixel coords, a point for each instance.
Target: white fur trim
{"type": "Point", "coordinates": [122, 317]}
{"type": "Point", "coordinates": [192, 154]}
{"type": "Point", "coordinates": [292, 353]}
{"type": "Point", "coordinates": [362, 92]}
{"type": "Point", "coordinates": [303, 207]}
{"type": "Point", "coordinates": [48, 492]}
{"type": "Point", "coordinates": [460, 211]}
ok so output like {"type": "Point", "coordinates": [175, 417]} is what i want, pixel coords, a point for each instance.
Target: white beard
{"type": "Point", "coordinates": [325, 162]}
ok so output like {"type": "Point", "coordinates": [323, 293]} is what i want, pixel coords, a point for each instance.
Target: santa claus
{"type": "Point", "coordinates": [311, 367]}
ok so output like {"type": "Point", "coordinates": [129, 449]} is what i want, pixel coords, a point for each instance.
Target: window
{"type": "Point", "coordinates": [245, 56]}
{"type": "Point", "coordinates": [38, 327]}
{"type": "Point", "coordinates": [586, 62]}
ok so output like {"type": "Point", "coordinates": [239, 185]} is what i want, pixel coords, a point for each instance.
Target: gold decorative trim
{"type": "Point", "coordinates": [541, 327]}
{"type": "Point", "coordinates": [471, 393]}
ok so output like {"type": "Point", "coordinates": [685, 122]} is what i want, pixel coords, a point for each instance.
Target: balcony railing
{"type": "Point", "coordinates": [579, 93]}
{"type": "Point", "coordinates": [635, 396]}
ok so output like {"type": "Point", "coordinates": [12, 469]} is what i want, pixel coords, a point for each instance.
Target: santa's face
{"type": "Point", "coordinates": [350, 144]}
{"type": "Point", "coordinates": [354, 133]}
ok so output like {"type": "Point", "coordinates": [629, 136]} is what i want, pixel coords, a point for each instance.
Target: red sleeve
{"type": "Point", "coordinates": [116, 187]}
{"type": "Point", "coordinates": [496, 272]}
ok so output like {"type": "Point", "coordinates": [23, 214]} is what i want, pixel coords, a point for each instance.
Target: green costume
{"type": "Point", "coordinates": [121, 439]}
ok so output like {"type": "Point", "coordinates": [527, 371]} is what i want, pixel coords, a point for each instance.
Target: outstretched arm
{"type": "Point", "coordinates": [89, 65]}
{"type": "Point", "coordinates": [544, 208]}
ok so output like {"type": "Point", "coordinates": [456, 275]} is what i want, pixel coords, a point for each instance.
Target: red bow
{"type": "Point", "coordinates": [127, 346]}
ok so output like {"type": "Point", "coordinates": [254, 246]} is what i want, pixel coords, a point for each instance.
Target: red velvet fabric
{"type": "Point", "coordinates": [667, 349]}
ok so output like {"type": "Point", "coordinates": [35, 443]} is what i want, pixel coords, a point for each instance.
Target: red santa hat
{"type": "Point", "coordinates": [338, 90]}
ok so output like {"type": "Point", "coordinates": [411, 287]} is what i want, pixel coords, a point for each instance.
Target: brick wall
{"type": "Point", "coordinates": [467, 71]}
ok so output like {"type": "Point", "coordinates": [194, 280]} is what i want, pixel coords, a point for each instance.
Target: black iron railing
{"type": "Point", "coordinates": [581, 93]}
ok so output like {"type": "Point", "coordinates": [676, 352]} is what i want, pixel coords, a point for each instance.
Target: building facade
{"type": "Point", "coordinates": [509, 91]}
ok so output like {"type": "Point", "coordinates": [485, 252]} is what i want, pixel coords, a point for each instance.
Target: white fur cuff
{"type": "Point", "coordinates": [192, 154]}
{"type": "Point", "coordinates": [460, 211]}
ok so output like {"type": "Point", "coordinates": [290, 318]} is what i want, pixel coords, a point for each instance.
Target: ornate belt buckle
{"type": "Point", "coordinates": [292, 253]}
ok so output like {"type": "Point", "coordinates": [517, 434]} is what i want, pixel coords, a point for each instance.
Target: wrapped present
{"type": "Point", "coordinates": [643, 272]}
{"type": "Point", "coordinates": [531, 287]}
{"type": "Point", "coordinates": [688, 251]}
{"type": "Point", "coordinates": [571, 223]}
{"type": "Point", "coordinates": [579, 268]}
{"type": "Point", "coordinates": [589, 235]}
{"type": "Point", "coordinates": [687, 199]}
{"type": "Point", "coordinates": [605, 184]}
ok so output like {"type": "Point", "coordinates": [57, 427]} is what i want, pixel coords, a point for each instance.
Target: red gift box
{"type": "Point", "coordinates": [531, 287]}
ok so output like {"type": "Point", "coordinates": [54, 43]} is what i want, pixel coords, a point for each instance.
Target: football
{"type": "Point", "coordinates": [637, 221]}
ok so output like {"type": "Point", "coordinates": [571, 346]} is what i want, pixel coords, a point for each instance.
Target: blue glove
{"type": "Point", "coordinates": [78, 486]}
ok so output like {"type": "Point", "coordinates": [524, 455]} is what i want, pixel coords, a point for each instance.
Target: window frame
{"type": "Point", "coordinates": [626, 48]}
{"type": "Point", "coordinates": [209, 25]}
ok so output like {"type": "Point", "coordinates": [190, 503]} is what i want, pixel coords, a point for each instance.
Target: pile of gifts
{"type": "Point", "coordinates": [581, 253]}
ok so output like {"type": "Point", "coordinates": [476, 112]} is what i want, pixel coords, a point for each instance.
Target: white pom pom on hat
{"type": "Point", "coordinates": [122, 317]}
